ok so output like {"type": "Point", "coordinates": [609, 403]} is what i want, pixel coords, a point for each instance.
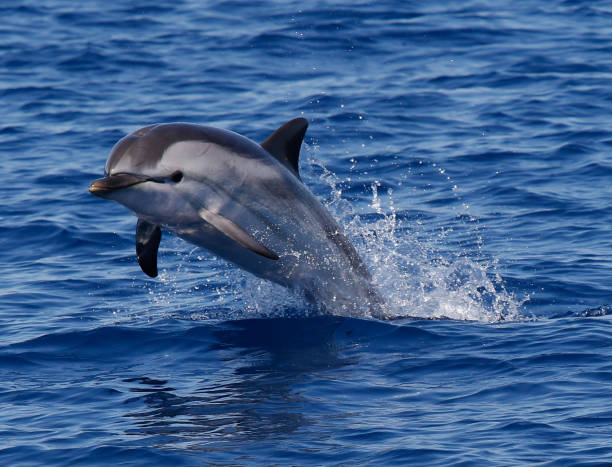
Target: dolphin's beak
{"type": "Point", "coordinates": [106, 185]}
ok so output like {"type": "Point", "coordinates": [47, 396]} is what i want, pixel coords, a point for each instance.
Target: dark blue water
{"type": "Point", "coordinates": [465, 148]}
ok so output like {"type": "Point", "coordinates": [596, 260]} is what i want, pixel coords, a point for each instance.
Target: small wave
{"type": "Point", "coordinates": [603, 310]}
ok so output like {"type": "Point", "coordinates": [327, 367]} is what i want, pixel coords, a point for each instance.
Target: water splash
{"type": "Point", "coordinates": [414, 270]}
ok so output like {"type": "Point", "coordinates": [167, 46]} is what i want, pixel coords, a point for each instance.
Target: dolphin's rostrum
{"type": "Point", "coordinates": [242, 201]}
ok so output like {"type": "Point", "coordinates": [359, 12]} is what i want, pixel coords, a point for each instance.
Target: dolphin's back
{"type": "Point", "coordinates": [144, 148]}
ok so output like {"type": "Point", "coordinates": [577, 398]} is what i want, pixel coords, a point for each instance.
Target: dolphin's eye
{"type": "Point", "coordinates": [176, 176]}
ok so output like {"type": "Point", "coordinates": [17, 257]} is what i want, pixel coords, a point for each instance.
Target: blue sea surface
{"type": "Point", "coordinates": [463, 146]}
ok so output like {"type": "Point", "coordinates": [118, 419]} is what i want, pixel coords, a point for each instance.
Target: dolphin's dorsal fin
{"type": "Point", "coordinates": [147, 242]}
{"type": "Point", "coordinates": [284, 144]}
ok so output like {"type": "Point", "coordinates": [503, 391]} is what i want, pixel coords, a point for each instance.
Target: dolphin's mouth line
{"type": "Point", "coordinates": [120, 180]}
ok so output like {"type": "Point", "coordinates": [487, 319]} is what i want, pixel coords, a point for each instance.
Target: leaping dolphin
{"type": "Point", "coordinates": [242, 201]}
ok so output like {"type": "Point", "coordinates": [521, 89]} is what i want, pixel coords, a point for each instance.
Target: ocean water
{"type": "Point", "coordinates": [463, 146]}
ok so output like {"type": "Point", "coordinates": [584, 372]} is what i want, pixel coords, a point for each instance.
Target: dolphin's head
{"type": "Point", "coordinates": [178, 174]}
{"type": "Point", "coordinates": [153, 171]}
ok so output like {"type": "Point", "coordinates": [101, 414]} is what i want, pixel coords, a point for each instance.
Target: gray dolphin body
{"type": "Point", "coordinates": [242, 201]}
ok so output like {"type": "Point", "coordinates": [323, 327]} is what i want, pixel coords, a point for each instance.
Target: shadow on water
{"type": "Point", "coordinates": [249, 392]}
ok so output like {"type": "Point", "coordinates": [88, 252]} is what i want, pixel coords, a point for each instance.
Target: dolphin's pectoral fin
{"type": "Point", "coordinates": [284, 144]}
{"type": "Point", "coordinates": [147, 242]}
{"type": "Point", "coordinates": [236, 233]}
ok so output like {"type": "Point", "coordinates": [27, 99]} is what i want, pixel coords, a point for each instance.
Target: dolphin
{"type": "Point", "coordinates": [242, 201]}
